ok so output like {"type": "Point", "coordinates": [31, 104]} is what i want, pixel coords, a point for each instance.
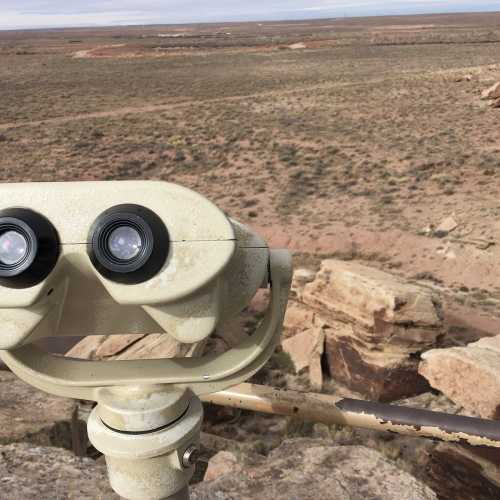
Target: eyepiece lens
{"type": "Point", "coordinates": [125, 243]}
{"type": "Point", "coordinates": [13, 248]}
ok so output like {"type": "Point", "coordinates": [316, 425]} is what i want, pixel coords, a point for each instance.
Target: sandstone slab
{"type": "Point", "coordinates": [305, 469]}
{"type": "Point", "coordinates": [373, 298]}
{"type": "Point", "coordinates": [469, 376]}
{"type": "Point", "coordinates": [376, 325]}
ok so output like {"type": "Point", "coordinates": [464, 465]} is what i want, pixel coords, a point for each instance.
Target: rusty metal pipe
{"type": "Point", "coordinates": [365, 414]}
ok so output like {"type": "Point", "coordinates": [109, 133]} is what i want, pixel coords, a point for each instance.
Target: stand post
{"type": "Point", "coordinates": [146, 461]}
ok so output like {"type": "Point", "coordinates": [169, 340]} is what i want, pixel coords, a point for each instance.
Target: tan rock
{"type": "Point", "coordinates": [296, 46]}
{"type": "Point", "coordinates": [492, 93]}
{"type": "Point", "coordinates": [298, 317]}
{"type": "Point", "coordinates": [469, 376]}
{"type": "Point", "coordinates": [447, 225]}
{"type": "Point", "coordinates": [29, 415]}
{"type": "Point", "coordinates": [115, 344]}
{"type": "Point", "coordinates": [316, 373]}
{"type": "Point", "coordinates": [303, 347]}
{"type": "Point", "coordinates": [222, 463]}
{"type": "Point", "coordinates": [371, 297]}
{"type": "Point", "coordinates": [301, 277]}
{"type": "Point", "coordinates": [121, 347]}
{"type": "Point", "coordinates": [87, 347]}
{"type": "Point", "coordinates": [490, 343]}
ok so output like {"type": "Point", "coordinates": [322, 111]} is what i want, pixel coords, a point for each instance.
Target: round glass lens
{"type": "Point", "coordinates": [124, 243]}
{"type": "Point", "coordinates": [13, 248]}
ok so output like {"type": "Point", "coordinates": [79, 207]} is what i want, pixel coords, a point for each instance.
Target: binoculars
{"type": "Point", "coordinates": [80, 259]}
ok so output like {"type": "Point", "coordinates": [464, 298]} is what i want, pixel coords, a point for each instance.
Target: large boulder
{"type": "Point", "coordinates": [376, 324]}
{"type": "Point", "coordinates": [469, 376]}
{"type": "Point", "coordinates": [29, 415]}
{"type": "Point", "coordinates": [305, 469]}
{"type": "Point", "coordinates": [33, 473]}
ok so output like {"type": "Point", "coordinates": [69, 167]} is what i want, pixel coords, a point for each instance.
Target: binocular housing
{"type": "Point", "coordinates": [141, 257]}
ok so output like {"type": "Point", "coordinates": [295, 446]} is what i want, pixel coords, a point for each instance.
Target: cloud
{"type": "Point", "coordinates": [58, 13]}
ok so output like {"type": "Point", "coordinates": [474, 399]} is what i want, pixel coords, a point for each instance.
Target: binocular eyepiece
{"type": "Point", "coordinates": [127, 244]}
{"type": "Point", "coordinates": [29, 248]}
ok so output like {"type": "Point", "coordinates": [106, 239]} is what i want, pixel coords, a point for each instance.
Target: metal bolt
{"type": "Point", "coordinates": [191, 456]}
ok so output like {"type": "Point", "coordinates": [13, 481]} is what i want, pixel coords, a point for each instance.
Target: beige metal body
{"type": "Point", "coordinates": [148, 417]}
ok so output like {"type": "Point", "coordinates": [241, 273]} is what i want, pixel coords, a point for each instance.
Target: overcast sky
{"type": "Point", "coordinates": [59, 13]}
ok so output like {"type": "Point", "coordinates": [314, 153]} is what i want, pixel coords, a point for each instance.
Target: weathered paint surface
{"type": "Point", "coordinates": [365, 414]}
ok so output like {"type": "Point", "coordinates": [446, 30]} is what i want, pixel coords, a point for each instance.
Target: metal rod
{"type": "Point", "coordinates": [355, 413]}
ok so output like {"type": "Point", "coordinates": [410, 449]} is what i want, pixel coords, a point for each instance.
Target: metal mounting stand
{"type": "Point", "coordinates": [148, 416]}
{"type": "Point", "coordinates": [150, 438]}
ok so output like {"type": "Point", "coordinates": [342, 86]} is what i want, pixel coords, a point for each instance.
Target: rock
{"type": "Point", "coordinates": [464, 473]}
{"type": "Point", "coordinates": [29, 415]}
{"type": "Point", "coordinates": [35, 473]}
{"type": "Point", "coordinates": [309, 469]}
{"type": "Point", "coordinates": [447, 226]}
{"type": "Point", "coordinates": [297, 46]}
{"type": "Point", "coordinates": [297, 318]}
{"type": "Point", "coordinates": [304, 346]}
{"type": "Point", "coordinates": [224, 462]}
{"type": "Point", "coordinates": [372, 297]}
{"type": "Point", "coordinates": [316, 371]}
{"type": "Point", "coordinates": [121, 347]}
{"type": "Point", "coordinates": [306, 350]}
{"type": "Point", "coordinates": [116, 344]}
{"type": "Point", "coordinates": [376, 324]}
{"type": "Point", "coordinates": [469, 376]}
{"type": "Point", "coordinates": [495, 104]}
{"type": "Point", "coordinates": [492, 93]}
{"type": "Point", "coordinates": [301, 277]}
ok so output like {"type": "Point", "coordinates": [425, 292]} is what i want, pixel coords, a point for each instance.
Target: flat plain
{"type": "Point", "coordinates": [347, 137]}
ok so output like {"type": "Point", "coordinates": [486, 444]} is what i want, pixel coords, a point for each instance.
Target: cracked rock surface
{"type": "Point", "coordinates": [303, 469]}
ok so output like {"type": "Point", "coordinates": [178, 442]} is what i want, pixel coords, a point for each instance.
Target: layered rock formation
{"type": "Point", "coordinates": [375, 325]}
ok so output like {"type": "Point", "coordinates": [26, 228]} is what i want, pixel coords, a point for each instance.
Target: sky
{"type": "Point", "coordinates": [62, 13]}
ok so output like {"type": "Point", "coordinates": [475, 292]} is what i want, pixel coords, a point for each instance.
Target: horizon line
{"type": "Point", "coordinates": [236, 20]}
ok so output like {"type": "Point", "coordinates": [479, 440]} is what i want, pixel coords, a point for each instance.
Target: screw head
{"type": "Point", "coordinates": [191, 456]}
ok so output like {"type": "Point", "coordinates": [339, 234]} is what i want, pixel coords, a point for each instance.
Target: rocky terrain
{"type": "Point", "coordinates": [368, 147]}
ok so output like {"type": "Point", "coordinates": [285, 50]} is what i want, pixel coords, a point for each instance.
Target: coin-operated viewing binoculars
{"type": "Point", "coordinates": [105, 258]}
{"type": "Point", "coordinates": [136, 257]}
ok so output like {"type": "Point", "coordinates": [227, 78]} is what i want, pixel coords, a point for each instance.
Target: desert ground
{"type": "Point", "coordinates": [362, 140]}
